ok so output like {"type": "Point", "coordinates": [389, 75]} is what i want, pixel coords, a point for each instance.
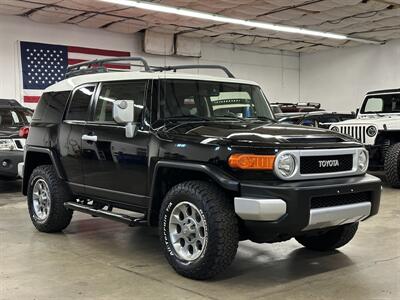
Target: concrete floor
{"type": "Point", "coordinates": [99, 259]}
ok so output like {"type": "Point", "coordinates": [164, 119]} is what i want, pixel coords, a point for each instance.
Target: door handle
{"type": "Point", "coordinates": [89, 138]}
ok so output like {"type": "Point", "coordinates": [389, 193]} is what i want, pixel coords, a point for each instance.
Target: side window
{"type": "Point", "coordinates": [329, 119]}
{"type": "Point", "coordinates": [50, 108]}
{"type": "Point", "coordinates": [374, 105]}
{"type": "Point", "coordinates": [132, 90]}
{"type": "Point", "coordinates": [79, 107]}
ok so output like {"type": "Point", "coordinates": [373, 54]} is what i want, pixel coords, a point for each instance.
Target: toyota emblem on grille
{"type": "Point", "coordinates": [328, 163]}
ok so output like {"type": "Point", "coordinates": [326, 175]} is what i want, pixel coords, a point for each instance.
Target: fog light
{"type": "Point", "coordinates": [4, 164]}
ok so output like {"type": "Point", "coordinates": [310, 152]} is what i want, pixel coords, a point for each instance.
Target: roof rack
{"type": "Point", "coordinates": [384, 91]}
{"type": "Point", "coordinates": [98, 66]}
{"type": "Point", "coordinates": [186, 67]}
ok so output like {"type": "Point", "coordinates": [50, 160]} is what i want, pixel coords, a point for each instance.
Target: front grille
{"type": "Point", "coordinates": [343, 199]}
{"type": "Point", "coordinates": [326, 164]}
{"type": "Point", "coordinates": [357, 132]}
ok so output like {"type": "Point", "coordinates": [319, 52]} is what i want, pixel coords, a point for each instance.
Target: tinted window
{"type": "Point", "coordinates": [212, 100]}
{"type": "Point", "coordinates": [51, 106]}
{"type": "Point", "coordinates": [290, 120]}
{"type": "Point", "coordinates": [133, 90]}
{"type": "Point", "coordinates": [79, 107]}
{"type": "Point", "coordinates": [308, 122]}
{"type": "Point", "coordinates": [328, 119]}
{"type": "Point", "coordinates": [14, 117]}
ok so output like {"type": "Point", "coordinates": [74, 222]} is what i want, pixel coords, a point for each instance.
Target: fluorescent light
{"type": "Point", "coordinates": [222, 19]}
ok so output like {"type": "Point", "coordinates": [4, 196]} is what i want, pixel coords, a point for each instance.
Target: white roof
{"type": "Point", "coordinates": [72, 82]}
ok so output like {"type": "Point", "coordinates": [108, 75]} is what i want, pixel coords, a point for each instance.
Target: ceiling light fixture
{"type": "Point", "coordinates": [222, 19]}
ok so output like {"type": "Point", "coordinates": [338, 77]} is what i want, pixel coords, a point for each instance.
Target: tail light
{"type": "Point", "coordinates": [23, 132]}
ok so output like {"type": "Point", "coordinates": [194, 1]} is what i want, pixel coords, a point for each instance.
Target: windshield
{"type": "Point", "coordinates": [207, 100]}
{"type": "Point", "coordinates": [381, 104]}
{"type": "Point", "coordinates": [14, 117]}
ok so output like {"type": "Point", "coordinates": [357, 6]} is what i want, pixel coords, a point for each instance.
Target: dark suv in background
{"type": "Point", "coordinates": [14, 120]}
{"type": "Point", "coordinates": [200, 157]}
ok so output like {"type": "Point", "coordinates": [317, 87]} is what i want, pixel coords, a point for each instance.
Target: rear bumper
{"type": "Point", "coordinates": [9, 161]}
{"type": "Point", "coordinates": [281, 210]}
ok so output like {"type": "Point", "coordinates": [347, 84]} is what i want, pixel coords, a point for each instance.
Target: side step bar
{"type": "Point", "coordinates": [129, 220]}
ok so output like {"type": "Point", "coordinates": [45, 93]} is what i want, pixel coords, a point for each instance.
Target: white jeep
{"type": "Point", "coordinates": [377, 126]}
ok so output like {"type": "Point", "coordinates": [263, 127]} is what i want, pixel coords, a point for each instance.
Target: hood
{"type": "Point", "coordinates": [255, 133]}
{"type": "Point", "coordinates": [390, 122]}
{"type": "Point", "coordinates": [9, 132]}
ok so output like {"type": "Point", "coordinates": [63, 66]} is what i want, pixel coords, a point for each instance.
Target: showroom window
{"type": "Point", "coordinates": [79, 107]}
{"type": "Point", "coordinates": [110, 92]}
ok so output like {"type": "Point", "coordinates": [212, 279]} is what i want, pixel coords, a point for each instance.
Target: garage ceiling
{"type": "Point", "coordinates": [369, 19]}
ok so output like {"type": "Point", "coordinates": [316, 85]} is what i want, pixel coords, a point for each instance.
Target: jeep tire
{"type": "Point", "coordinates": [46, 196]}
{"type": "Point", "coordinates": [329, 240]}
{"type": "Point", "coordinates": [392, 165]}
{"type": "Point", "coordinates": [198, 229]}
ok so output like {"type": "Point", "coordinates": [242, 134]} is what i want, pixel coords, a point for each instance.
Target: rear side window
{"type": "Point", "coordinates": [14, 117]}
{"type": "Point", "coordinates": [132, 90]}
{"type": "Point", "coordinates": [80, 102]}
{"type": "Point", "coordinates": [51, 107]}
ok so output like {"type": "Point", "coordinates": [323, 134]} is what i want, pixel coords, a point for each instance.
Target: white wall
{"type": "Point", "coordinates": [277, 72]}
{"type": "Point", "coordinates": [340, 78]}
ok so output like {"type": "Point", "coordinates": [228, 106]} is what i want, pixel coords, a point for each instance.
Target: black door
{"type": "Point", "coordinates": [115, 167]}
{"type": "Point", "coordinates": [70, 136]}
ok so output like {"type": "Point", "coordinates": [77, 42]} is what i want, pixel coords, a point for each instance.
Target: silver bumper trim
{"type": "Point", "coordinates": [255, 209]}
{"type": "Point", "coordinates": [21, 169]}
{"type": "Point", "coordinates": [338, 215]}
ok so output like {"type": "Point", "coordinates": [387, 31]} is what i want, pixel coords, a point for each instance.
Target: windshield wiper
{"type": "Point", "coordinates": [262, 118]}
{"type": "Point", "coordinates": [185, 118]}
{"type": "Point", "coordinates": [229, 116]}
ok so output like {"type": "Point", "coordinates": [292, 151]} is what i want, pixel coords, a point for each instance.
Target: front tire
{"type": "Point", "coordinates": [329, 240]}
{"type": "Point", "coordinates": [46, 196]}
{"type": "Point", "coordinates": [198, 229]}
{"type": "Point", "coordinates": [392, 165]}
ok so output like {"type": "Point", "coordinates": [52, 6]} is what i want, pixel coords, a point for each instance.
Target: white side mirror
{"type": "Point", "coordinates": [124, 113]}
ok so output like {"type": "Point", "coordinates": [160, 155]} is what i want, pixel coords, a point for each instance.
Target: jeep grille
{"type": "Point", "coordinates": [357, 132]}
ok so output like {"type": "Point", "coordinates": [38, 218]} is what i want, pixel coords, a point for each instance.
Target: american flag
{"type": "Point", "coordinates": [45, 64]}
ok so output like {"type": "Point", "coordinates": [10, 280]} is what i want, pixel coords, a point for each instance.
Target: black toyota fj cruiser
{"type": "Point", "coordinates": [201, 157]}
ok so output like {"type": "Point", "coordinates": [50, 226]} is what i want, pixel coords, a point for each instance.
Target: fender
{"type": "Point", "coordinates": [221, 178]}
{"type": "Point", "coordinates": [53, 157]}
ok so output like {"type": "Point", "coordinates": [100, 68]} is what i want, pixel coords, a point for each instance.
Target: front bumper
{"type": "Point", "coordinates": [280, 210]}
{"type": "Point", "coordinates": [9, 161]}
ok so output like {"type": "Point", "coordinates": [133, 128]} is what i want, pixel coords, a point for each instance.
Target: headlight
{"type": "Point", "coordinates": [6, 145]}
{"type": "Point", "coordinates": [371, 131]}
{"type": "Point", "coordinates": [335, 128]}
{"type": "Point", "coordinates": [363, 160]}
{"type": "Point", "coordinates": [285, 165]}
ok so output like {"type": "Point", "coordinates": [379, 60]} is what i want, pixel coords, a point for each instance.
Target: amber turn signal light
{"type": "Point", "coordinates": [251, 161]}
